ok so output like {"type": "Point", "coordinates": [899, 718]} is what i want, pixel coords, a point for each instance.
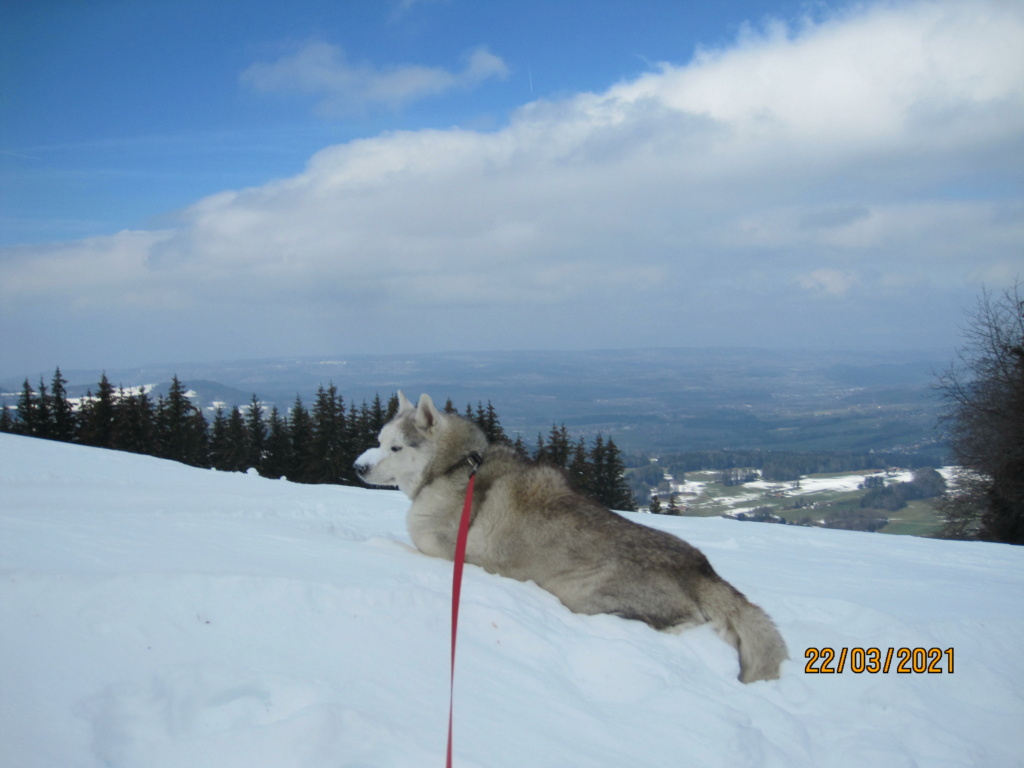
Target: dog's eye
{"type": "Point", "coordinates": [396, 448]}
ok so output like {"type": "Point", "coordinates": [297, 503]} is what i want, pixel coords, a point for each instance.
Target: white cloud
{"type": "Point", "coordinates": [322, 70]}
{"type": "Point", "coordinates": [707, 198]}
{"type": "Point", "coordinates": [875, 76]}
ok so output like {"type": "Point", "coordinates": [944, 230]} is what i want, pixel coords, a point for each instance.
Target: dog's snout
{"type": "Point", "coordinates": [366, 461]}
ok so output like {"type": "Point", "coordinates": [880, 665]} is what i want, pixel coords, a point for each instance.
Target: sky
{"type": "Point", "coordinates": [198, 181]}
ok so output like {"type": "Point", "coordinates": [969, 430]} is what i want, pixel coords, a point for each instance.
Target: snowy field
{"type": "Point", "coordinates": [157, 615]}
{"type": "Point", "coordinates": [696, 490]}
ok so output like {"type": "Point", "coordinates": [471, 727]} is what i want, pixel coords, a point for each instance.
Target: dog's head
{"type": "Point", "coordinates": [408, 446]}
{"type": "Point", "coordinates": [419, 445]}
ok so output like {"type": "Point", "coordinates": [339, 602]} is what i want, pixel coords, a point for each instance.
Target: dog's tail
{"type": "Point", "coordinates": [747, 628]}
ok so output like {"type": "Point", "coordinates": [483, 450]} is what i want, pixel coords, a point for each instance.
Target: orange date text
{"type": "Point", "coordinates": [904, 661]}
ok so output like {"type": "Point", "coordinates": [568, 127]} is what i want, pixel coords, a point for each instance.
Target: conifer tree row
{"type": "Point", "coordinates": [597, 471]}
{"type": "Point", "coordinates": [317, 445]}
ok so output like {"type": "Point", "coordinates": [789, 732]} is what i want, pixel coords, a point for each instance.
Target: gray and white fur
{"type": "Point", "coordinates": [529, 524]}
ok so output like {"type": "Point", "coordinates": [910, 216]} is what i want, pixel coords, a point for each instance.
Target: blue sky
{"type": "Point", "coordinates": [118, 113]}
{"type": "Point", "coordinates": [210, 181]}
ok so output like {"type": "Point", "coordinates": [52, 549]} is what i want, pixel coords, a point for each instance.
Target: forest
{"type": "Point", "coordinates": [316, 444]}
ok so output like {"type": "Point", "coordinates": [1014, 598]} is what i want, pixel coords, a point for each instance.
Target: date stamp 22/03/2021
{"type": "Point", "coordinates": [904, 661]}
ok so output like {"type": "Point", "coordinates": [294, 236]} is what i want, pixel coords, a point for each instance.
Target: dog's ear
{"type": "Point", "coordinates": [427, 415]}
{"type": "Point", "coordinates": [403, 402]}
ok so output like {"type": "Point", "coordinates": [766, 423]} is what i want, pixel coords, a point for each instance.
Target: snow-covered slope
{"type": "Point", "coordinates": [157, 615]}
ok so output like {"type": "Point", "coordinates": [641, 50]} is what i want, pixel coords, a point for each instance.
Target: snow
{"type": "Point", "coordinates": [157, 615]}
{"type": "Point", "coordinates": [695, 492]}
{"type": "Point", "coordinates": [839, 483]}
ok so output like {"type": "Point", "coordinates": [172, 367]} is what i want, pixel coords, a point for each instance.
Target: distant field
{"type": "Point", "coordinates": [918, 518]}
{"type": "Point", "coordinates": [817, 497]}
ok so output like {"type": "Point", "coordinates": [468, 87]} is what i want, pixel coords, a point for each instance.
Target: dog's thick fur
{"type": "Point", "coordinates": [529, 524]}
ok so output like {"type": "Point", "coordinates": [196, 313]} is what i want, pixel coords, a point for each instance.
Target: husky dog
{"type": "Point", "coordinates": [529, 524]}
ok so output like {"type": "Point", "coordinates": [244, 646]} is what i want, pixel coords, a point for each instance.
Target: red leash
{"type": "Point", "coordinates": [460, 557]}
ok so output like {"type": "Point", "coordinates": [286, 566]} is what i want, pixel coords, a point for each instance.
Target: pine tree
{"type": "Point", "coordinates": [43, 416]}
{"type": "Point", "coordinates": [558, 448]}
{"type": "Point", "coordinates": [237, 452]}
{"type": "Point", "coordinates": [673, 506]}
{"type": "Point", "coordinates": [135, 426]}
{"type": "Point", "coordinates": [365, 424]}
{"type": "Point", "coordinates": [392, 407]}
{"type": "Point", "coordinates": [6, 420]}
{"type": "Point", "coordinates": [621, 497]}
{"type": "Point", "coordinates": [99, 416]}
{"type": "Point", "coordinates": [199, 432]}
{"type": "Point", "coordinates": [609, 487]}
{"type": "Point", "coordinates": [656, 508]}
{"type": "Point", "coordinates": [256, 444]}
{"type": "Point", "coordinates": [357, 427]}
{"type": "Point", "coordinates": [330, 456]}
{"type": "Point", "coordinates": [220, 450]}
{"type": "Point", "coordinates": [580, 468]}
{"type": "Point", "coordinates": [363, 429]}
{"type": "Point", "coordinates": [278, 457]}
{"type": "Point", "coordinates": [300, 434]}
{"type": "Point", "coordinates": [378, 417]}
{"type": "Point", "coordinates": [491, 424]}
{"type": "Point", "coordinates": [62, 415]}
{"type": "Point", "coordinates": [28, 411]}
{"type": "Point", "coordinates": [181, 428]}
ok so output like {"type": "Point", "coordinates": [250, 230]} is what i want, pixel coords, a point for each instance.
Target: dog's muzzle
{"type": "Point", "coordinates": [367, 461]}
